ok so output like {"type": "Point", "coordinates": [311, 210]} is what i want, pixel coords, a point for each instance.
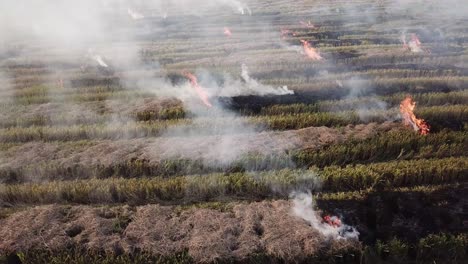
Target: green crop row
{"type": "Point", "coordinates": [293, 78]}
{"type": "Point", "coordinates": [80, 132]}
{"type": "Point", "coordinates": [389, 146]}
{"type": "Point", "coordinates": [439, 117]}
{"type": "Point", "coordinates": [422, 99]}
{"type": "Point", "coordinates": [63, 119]}
{"type": "Point", "coordinates": [400, 145]}
{"type": "Point", "coordinates": [255, 185]}
{"type": "Point", "coordinates": [434, 248]}
{"type": "Point", "coordinates": [390, 86]}
{"type": "Point", "coordinates": [395, 174]}
{"type": "Point", "coordinates": [324, 113]}
{"type": "Point", "coordinates": [78, 97]}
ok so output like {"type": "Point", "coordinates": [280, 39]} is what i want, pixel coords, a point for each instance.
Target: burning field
{"type": "Point", "coordinates": [230, 131]}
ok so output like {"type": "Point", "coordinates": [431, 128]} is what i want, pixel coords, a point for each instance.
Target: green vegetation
{"type": "Point", "coordinates": [434, 247]}
{"type": "Point", "coordinates": [255, 185]}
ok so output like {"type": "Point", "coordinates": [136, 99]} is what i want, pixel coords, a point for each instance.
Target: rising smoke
{"type": "Point", "coordinates": [303, 207]}
{"type": "Point", "coordinates": [100, 36]}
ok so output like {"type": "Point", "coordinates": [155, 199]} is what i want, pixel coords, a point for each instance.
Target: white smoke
{"type": "Point", "coordinates": [242, 8]}
{"type": "Point", "coordinates": [303, 207]}
{"type": "Point", "coordinates": [249, 86]}
{"type": "Point", "coordinates": [134, 14]}
{"type": "Point", "coordinates": [364, 101]}
{"type": "Point", "coordinates": [217, 123]}
{"type": "Point", "coordinates": [412, 43]}
{"type": "Point", "coordinates": [97, 58]}
{"type": "Point", "coordinates": [195, 7]}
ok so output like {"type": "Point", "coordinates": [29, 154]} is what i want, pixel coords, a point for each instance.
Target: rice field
{"type": "Point", "coordinates": [111, 154]}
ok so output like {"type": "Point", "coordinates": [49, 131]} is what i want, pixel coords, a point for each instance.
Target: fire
{"type": "Point", "coordinates": [200, 91]}
{"type": "Point", "coordinates": [414, 45]}
{"type": "Point", "coordinates": [307, 24]}
{"type": "Point", "coordinates": [310, 51]}
{"type": "Point", "coordinates": [406, 108]}
{"type": "Point", "coordinates": [285, 33]}
{"type": "Point", "coordinates": [332, 221]}
{"type": "Point", "coordinates": [227, 32]}
{"type": "Point", "coordinates": [60, 83]}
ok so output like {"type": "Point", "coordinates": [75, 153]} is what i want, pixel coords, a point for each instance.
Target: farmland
{"type": "Point", "coordinates": [110, 153]}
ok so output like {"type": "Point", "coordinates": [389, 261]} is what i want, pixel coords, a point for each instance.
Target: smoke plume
{"type": "Point", "coordinates": [303, 207]}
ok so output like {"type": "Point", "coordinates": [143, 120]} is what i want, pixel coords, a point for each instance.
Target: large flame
{"type": "Point", "coordinates": [406, 108]}
{"type": "Point", "coordinates": [200, 91]}
{"type": "Point", "coordinates": [310, 51]}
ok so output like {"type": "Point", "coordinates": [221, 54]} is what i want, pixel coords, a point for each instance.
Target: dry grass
{"type": "Point", "coordinates": [207, 234]}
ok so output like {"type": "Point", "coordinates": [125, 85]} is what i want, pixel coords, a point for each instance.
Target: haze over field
{"type": "Point", "coordinates": [137, 131]}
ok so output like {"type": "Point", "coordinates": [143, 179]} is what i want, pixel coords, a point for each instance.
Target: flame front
{"type": "Point", "coordinates": [409, 118]}
{"type": "Point", "coordinates": [200, 91]}
{"type": "Point", "coordinates": [310, 51]}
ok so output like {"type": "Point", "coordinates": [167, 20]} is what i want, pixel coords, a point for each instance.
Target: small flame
{"type": "Point", "coordinates": [332, 221]}
{"type": "Point", "coordinates": [307, 24]}
{"type": "Point", "coordinates": [60, 83]}
{"type": "Point", "coordinates": [227, 32]}
{"type": "Point", "coordinates": [409, 118]}
{"type": "Point", "coordinates": [414, 44]}
{"type": "Point", "coordinates": [285, 33]}
{"type": "Point", "coordinates": [200, 91]}
{"type": "Point", "coordinates": [310, 51]}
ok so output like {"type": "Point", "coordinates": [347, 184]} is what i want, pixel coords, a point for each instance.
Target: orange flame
{"type": "Point", "coordinates": [409, 119]}
{"type": "Point", "coordinates": [333, 221]}
{"type": "Point", "coordinates": [310, 51]}
{"type": "Point", "coordinates": [227, 32]}
{"type": "Point", "coordinates": [200, 91]}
